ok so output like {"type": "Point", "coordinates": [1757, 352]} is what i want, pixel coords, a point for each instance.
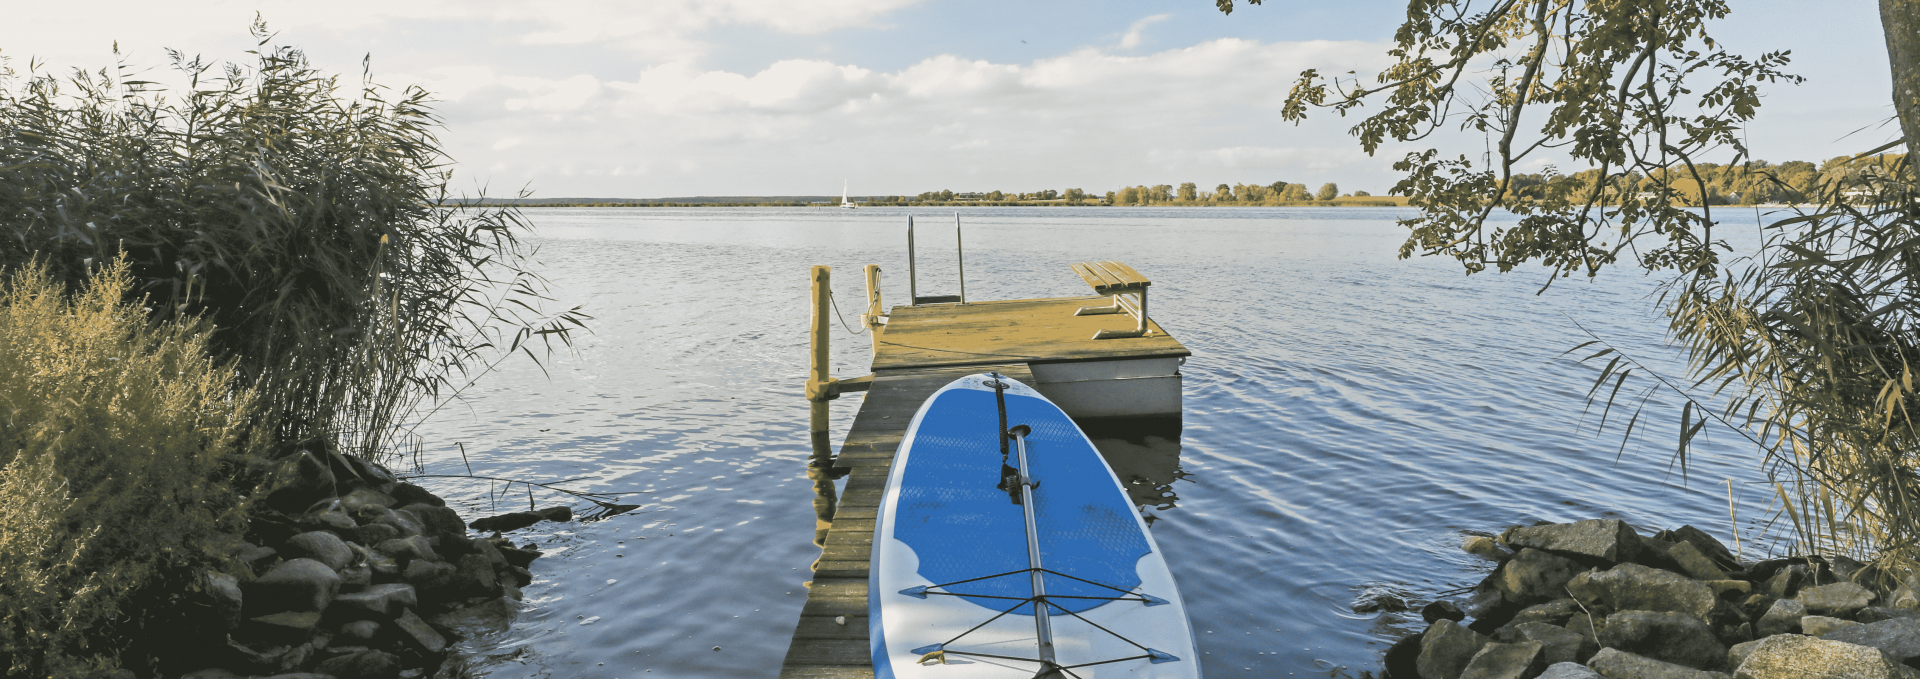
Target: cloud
{"type": "Point", "coordinates": [1133, 36]}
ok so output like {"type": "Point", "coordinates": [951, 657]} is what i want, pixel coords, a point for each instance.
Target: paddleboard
{"type": "Point", "coordinates": [952, 583]}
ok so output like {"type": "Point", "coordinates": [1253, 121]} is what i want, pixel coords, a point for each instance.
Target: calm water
{"type": "Point", "coordinates": [1350, 417]}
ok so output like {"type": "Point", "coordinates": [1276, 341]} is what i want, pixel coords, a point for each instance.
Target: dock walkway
{"type": "Point", "coordinates": [922, 349]}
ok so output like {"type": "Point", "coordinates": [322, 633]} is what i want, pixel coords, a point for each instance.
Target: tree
{"type": "Point", "coordinates": [1129, 196]}
{"type": "Point", "coordinates": [1296, 192]}
{"type": "Point", "coordinates": [1189, 192]}
{"type": "Point", "coordinates": [1807, 345]}
{"type": "Point", "coordinates": [1361, 193]}
{"type": "Point", "coordinates": [996, 195]}
{"type": "Point", "coordinates": [1223, 194]}
{"type": "Point", "coordinates": [1328, 191]}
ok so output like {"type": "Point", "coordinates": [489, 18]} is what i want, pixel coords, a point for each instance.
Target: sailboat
{"type": "Point", "coordinates": [844, 201]}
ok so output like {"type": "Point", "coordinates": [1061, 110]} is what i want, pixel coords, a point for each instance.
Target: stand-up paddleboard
{"type": "Point", "coordinates": [1018, 564]}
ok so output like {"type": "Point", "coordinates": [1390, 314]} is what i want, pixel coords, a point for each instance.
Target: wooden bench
{"type": "Point", "coordinates": [1126, 287]}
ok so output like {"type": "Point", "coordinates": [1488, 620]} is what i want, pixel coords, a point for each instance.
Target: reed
{"type": "Point", "coordinates": [308, 221]}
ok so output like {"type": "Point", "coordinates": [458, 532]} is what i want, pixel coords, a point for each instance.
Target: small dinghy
{"type": "Point", "coordinates": [1006, 548]}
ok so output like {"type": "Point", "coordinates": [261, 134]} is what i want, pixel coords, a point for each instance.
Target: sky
{"type": "Point", "coordinates": [667, 98]}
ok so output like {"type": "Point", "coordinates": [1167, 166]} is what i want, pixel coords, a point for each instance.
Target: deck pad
{"type": "Point", "coordinates": [944, 520]}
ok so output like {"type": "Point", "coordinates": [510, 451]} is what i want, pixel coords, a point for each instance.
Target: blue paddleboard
{"type": "Point", "coordinates": [951, 584]}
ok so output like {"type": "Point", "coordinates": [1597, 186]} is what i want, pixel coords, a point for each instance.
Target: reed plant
{"type": "Point", "coordinates": [310, 222]}
{"type": "Point", "coordinates": [114, 432]}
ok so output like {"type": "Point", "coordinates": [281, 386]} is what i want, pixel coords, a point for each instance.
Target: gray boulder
{"type": "Point", "coordinates": [328, 515]}
{"type": "Point", "coordinates": [379, 602]}
{"type": "Point", "coordinates": [1839, 599]}
{"type": "Point", "coordinates": [1793, 656]}
{"type": "Point", "coordinates": [290, 627]}
{"type": "Point", "coordinates": [1614, 663]}
{"type": "Point", "coordinates": [1898, 638]}
{"type": "Point", "coordinates": [1787, 582]}
{"type": "Point", "coordinates": [296, 585]}
{"type": "Point", "coordinates": [1567, 670]}
{"type": "Point", "coordinates": [1441, 609]}
{"type": "Point", "coordinates": [1694, 563]}
{"type": "Point", "coordinates": [1523, 660]}
{"type": "Point", "coordinates": [1782, 618]}
{"type": "Point", "coordinates": [1558, 644]}
{"type": "Point", "coordinates": [475, 577]}
{"type": "Point", "coordinates": [375, 533]}
{"type": "Point", "coordinates": [365, 497]}
{"type": "Point", "coordinates": [320, 546]}
{"type": "Point", "coordinates": [1485, 547]}
{"type": "Point", "coordinates": [356, 578]}
{"type": "Point", "coordinates": [1820, 625]}
{"type": "Point", "coordinates": [408, 549]}
{"type": "Point", "coordinates": [212, 673]}
{"type": "Point", "coordinates": [416, 633]}
{"type": "Point", "coordinates": [438, 520]}
{"type": "Point", "coordinates": [384, 568]}
{"type": "Point", "coordinates": [1610, 540]}
{"type": "Point", "coordinates": [1631, 586]}
{"type": "Point", "coordinates": [358, 632]}
{"type": "Point", "coordinates": [407, 524]}
{"type": "Point", "coordinates": [1555, 612]}
{"type": "Point", "coordinates": [224, 598]}
{"type": "Point", "coordinates": [1534, 575]}
{"type": "Point", "coordinates": [495, 616]}
{"type": "Point", "coordinates": [1738, 653]}
{"type": "Point", "coordinates": [1873, 614]}
{"type": "Point", "coordinates": [1665, 636]}
{"type": "Point", "coordinates": [1705, 543]}
{"type": "Point", "coordinates": [1446, 648]}
{"type": "Point", "coordinates": [368, 664]}
{"type": "Point", "coordinates": [429, 575]}
{"type": "Point", "coordinates": [407, 494]}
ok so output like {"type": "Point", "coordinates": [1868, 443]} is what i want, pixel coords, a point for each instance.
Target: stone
{"type": "Point", "coordinates": [1729, 588]}
{"type": "Point", "coordinates": [370, 472]}
{"type": "Point", "coordinates": [378, 602]}
{"type": "Point", "coordinates": [506, 522]}
{"type": "Point", "coordinates": [212, 673]}
{"type": "Point", "coordinates": [328, 515]}
{"type": "Point", "coordinates": [1555, 612]}
{"type": "Point", "coordinates": [407, 524]}
{"type": "Point", "coordinates": [1904, 597]}
{"type": "Point", "coordinates": [1567, 670]}
{"type": "Point", "coordinates": [1523, 660]}
{"type": "Point", "coordinates": [523, 557]}
{"type": "Point", "coordinates": [1695, 564]}
{"type": "Point", "coordinates": [1706, 544]}
{"type": "Point", "coordinates": [520, 576]}
{"type": "Point", "coordinates": [1738, 653]}
{"type": "Point", "coordinates": [439, 520]}
{"type": "Point", "coordinates": [408, 494]}
{"type": "Point", "coordinates": [1782, 618]}
{"type": "Point", "coordinates": [1446, 648]}
{"type": "Point", "coordinates": [1614, 663]}
{"type": "Point", "coordinates": [1631, 586]}
{"type": "Point", "coordinates": [1402, 660]}
{"type": "Point", "coordinates": [429, 575]}
{"type": "Point", "coordinates": [320, 546]}
{"type": "Point", "coordinates": [384, 568]}
{"type": "Point", "coordinates": [406, 550]}
{"type": "Point", "coordinates": [254, 556]}
{"type": "Point", "coordinates": [1840, 599]}
{"type": "Point", "coordinates": [368, 664]}
{"type": "Point", "coordinates": [1787, 582]}
{"type": "Point", "coordinates": [1558, 644]}
{"type": "Point", "coordinates": [1534, 575]}
{"type": "Point", "coordinates": [297, 481]}
{"type": "Point", "coordinates": [375, 533]}
{"type": "Point", "coordinates": [290, 627]}
{"type": "Point", "coordinates": [1820, 625]}
{"type": "Point", "coordinates": [1665, 636]}
{"type": "Point", "coordinates": [359, 632]}
{"type": "Point", "coordinates": [364, 497]}
{"type": "Point", "coordinates": [475, 577]}
{"type": "Point", "coordinates": [1654, 554]}
{"type": "Point", "coordinates": [356, 578]}
{"type": "Point", "coordinates": [1794, 656]}
{"type": "Point", "coordinates": [1898, 638]}
{"type": "Point", "coordinates": [294, 585]}
{"type": "Point", "coordinates": [494, 616]}
{"type": "Point", "coordinates": [1610, 540]}
{"type": "Point", "coordinates": [560, 514]}
{"type": "Point", "coordinates": [1485, 547]}
{"type": "Point", "coordinates": [224, 598]}
{"type": "Point", "coordinates": [418, 634]}
{"type": "Point", "coordinates": [1442, 610]}
{"type": "Point", "coordinates": [1873, 614]}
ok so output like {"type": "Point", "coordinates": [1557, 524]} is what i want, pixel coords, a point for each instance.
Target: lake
{"type": "Point", "coordinates": [1350, 418]}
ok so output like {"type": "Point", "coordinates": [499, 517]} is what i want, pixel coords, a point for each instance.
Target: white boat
{"type": "Point", "coordinates": [844, 202]}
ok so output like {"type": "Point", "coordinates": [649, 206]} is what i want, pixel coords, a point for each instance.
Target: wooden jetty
{"type": "Point", "coordinates": [1048, 343]}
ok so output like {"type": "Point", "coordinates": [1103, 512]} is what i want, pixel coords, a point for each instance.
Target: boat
{"type": "Point", "coordinates": [844, 202]}
{"type": "Point", "coordinates": [1005, 547]}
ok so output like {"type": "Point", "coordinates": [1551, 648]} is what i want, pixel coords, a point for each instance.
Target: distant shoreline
{"type": "Point", "coordinates": [1348, 201]}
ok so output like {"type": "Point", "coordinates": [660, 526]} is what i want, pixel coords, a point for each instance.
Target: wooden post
{"type": "Point", "coordinates": [913, 275]}
{"type": "Point", "coordinates": [817, 374]}
{"type": "Point", "coordinates": [874, 309]}
{"type": "Point", "coordinates": [960, 254]}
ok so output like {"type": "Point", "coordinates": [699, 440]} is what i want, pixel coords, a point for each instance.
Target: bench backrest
{"type": "Point", "coordinates": [1111, 277]}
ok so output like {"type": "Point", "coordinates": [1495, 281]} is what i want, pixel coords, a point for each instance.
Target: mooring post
{"type": "Point", "coordinates": [960, 254]}
{"type": "Point", "coordinates": [913, 275]}
{"type": "Point", "coordinates": [818, 380]}
{"type": "Point", "coordinates": [874, 309]}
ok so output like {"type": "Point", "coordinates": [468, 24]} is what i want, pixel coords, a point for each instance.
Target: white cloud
{"type": "Point", "coordinates": [1139, 28]}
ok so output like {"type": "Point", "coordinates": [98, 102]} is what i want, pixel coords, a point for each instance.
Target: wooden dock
{"type": "Point", "coordinates": [921, 349]}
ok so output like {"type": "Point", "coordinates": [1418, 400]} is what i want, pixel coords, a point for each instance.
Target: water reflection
{"type": "Point", "coordinates": [1144, 453]}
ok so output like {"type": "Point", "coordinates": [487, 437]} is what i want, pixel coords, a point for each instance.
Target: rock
{"type": "Point", "coordinates": [1446, 648]}
{"type": "Point", "coordinates": [1558, 644]}
{"type": "Point", "coordinates": [224, 598]}
{"type": "Point", "coordinates": [1738, 653]}
{"type": "Point", "coordinates": [1533, 576]}
{"type": "Point", "coordinates": [1441, 610]}
{"type": "Point", "coordinates": [359, 632]}
{"type": "Point", "coordinates": [408, 494]}
{"type": "Point", "coordinates": [254, 556]}
{"type": "Point", "coordinates": [1402, 660]}
{"type": "Point", "coordinates": [1523, 660]}
{"type": "Point", "coordinates": [1873, 614]}
{"type": "Point", "coordinates": [406, 550]}
{"type": "Point", "coordinates": [1782, 618]}
{"type": "Point", "coordinates": [1898, 638]}
{"type": "Point", "coordinates": [1610, 540]}
{"type": "Point", "coordinates": [523, 558]}
{"type": "Point", "coordinates": [1695, 564]}
{"type": "Point", "coordinates": [1729, 588]}
{"type": "Point", "coordinates": [1706, 545]}
{"type": "Point", "coordinates": [1820, 625]}
{"type": "Point", "coordinates": [212, 673]}
{"type": "Point", "coordinates": [520, 576]}
{"type": "Point", "coordinates": [1840, 598]}
{"type": "Point", "coordinates": [486, 549]}
{"type": "Point", "coordinates": [1555, 612]}
{"type": "Point", "coordinates": [384, 568]}
{"type": "Point", "coordinates": [375, 533]}
{"type": "Point", "coordinates": [494, 616]}
{"type": "Point", "coordinates": [406, 523]}
{"type": "Point", "coordinates": [300, 675]}
{"type": "Point", "coordinates": [560, 514]}
{"type": "Point", "coordinates": [327, 514]}
{"type": "Point", "coordinates": [429, 575]}
{"type": "Point", "coordinates": [1793, 656]}
{"type": "Point", "coordinates": [291, 627]}
{"type": "Point", "coordinates": [356, 578]}
{"type": "Point", "coordinates": [1485, 547]}
{"type": "Point", "coordinates": [369, 472]}
{"type": "Point", "coordinates": [506, 522]}
{"type": "Point", "coordinates": [368, 664]}
{"type": "Point", "coordinates": [379, 602]}
{"type": "Point", "coordinates": [438, 520]}
{"type": "Point", "coordinates": [365, 497]}
{"type": "Point", "coordinates": [1614, 663]}
{"type": "Point", "coordinates": [1654, 554]}
{"type": "Point", "coordinates": [1787, 582]}
{"type": "Point", "coordinates": [295, 585]}
{"type": "Point", "coordinates": [1567, 670]}
{"type": "Point", "coordinates": [475, 577]}
{"type": "Point", "coordinates": [418, 634]}
{"type": "Point", "coordinates": [320, 546]}
{"type": "Point", "coordinates": [1904, 598]}
{"type": "Point", "coordinates": [1757, 605]}
{"type": "Point", "coordinates": [1665, 636]}
{"type": "Point", "coordinates": [298, 481]}
{"type": "Point", "coordinates": [1630, 586]}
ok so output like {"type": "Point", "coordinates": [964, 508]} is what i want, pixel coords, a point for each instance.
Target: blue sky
{"type": "Point", "coordinates": [742, 97]}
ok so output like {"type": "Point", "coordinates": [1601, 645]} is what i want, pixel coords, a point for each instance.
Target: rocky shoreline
{"type": "Point", "coordinates": [1595, 599]}
{"type": "Point", "coordinates": [349, 572]}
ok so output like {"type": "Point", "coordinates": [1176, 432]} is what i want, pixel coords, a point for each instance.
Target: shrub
{"type": "Point", "coordinates": [112, 433]}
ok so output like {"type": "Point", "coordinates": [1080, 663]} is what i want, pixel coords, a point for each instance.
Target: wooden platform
{"type": "Point", "coordinates": [922, 349]}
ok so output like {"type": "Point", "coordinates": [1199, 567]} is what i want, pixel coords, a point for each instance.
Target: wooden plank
{"type": "Point", "coordinates": [831, 652]}
{"type": "Point", "coordinates": [823, 627]}
{"type": "Point", "coordinates": [1016, 331]}
{"type": "Point", "coordinates": [827, 672]}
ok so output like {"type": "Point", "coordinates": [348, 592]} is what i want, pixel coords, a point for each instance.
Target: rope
{"type": "Point", "coordinates": [843, 319]}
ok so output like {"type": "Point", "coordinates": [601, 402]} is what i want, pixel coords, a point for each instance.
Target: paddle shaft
{"type": "Point", "coordinates": [1042, 627]}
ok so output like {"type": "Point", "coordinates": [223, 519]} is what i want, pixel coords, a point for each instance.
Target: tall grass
{"type": "Point", "coordinates": [310, 222]}
{"type": "Point", "coordinates": [112, 435]}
